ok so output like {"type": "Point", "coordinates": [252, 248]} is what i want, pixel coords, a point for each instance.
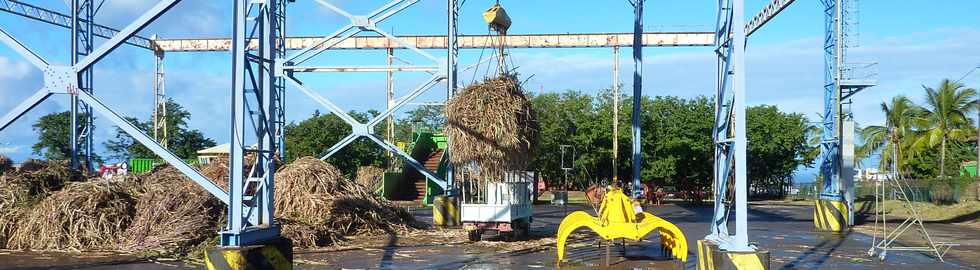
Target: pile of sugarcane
{"type": "Point", "coordinates": [82, 215]}
{"type": "Point", "coordinates": [491, 127]}
{"type": "Point", "coordinates": [172, 215]}
{"type": "Point", "coordinates": [48, 206]}
{"type": "Point", "coordinates": [370, 177]}
{"type": "Point", "coordinates": [22, 189]}
{"type": "Point", "coordinates": [318, 206]}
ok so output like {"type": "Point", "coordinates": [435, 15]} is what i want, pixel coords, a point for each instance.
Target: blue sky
{"type": "Point", "coordinates": [915, 42]}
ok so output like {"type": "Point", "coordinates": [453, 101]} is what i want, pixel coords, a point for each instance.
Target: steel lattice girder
{"type": "Point", "coordinates": [57, 18]}
{"type": "Point", "coordinates": [729, 130]}
{"type": "Point", "coordinates": [364, 23]}
{"type": "Point", "coordinates": [63, 79]}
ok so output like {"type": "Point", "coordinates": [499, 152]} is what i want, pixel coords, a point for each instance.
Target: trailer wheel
{"type": "Point", "coordinates": [522, 229]}
{"type": "Point", "coordinates": [474, 235]}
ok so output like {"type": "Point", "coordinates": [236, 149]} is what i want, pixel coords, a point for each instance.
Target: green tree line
{"type": "Point", "coordinates": [675, 138]}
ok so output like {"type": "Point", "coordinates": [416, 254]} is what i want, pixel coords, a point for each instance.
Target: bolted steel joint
{"type": "Point", "coordinates": [61, 79]}
{"type": "Point", "coordinates": [362, 129]}
{"type": "Point", "coordinates": [361, 22]}
{"type": "Point", "coordinates": [280, 67]}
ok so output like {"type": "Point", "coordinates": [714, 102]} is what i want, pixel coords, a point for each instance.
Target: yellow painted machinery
{"type": "Point", "coordinates": [620, 217]}
{"type": "Point", "coordinates": [497, 18]}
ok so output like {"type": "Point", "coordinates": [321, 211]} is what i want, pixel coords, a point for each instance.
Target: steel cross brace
{"type": "Point", "coordinates": [367, 129]}
{"type": "Point", "coordinates": [729, 130]}
{"type": "Point", "coordinates": [63, 79]}
{"type": "Point", "coordinates": [364, 23]}
{"type": "Point", "coordinates": [361, 22]}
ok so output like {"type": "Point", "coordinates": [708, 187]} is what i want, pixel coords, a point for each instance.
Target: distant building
{"type": "Point", "coordinates": [871, 174]}
{"type": "Point", "coordinates": [205, 156]}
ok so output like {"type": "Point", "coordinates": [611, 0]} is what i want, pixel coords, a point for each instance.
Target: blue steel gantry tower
{"type": "Point", "coordinates": [730, 186]}
{"type": "Point", "coordinates": [729, 130]}
{"type": "Point", "coordinates": [832, 211]}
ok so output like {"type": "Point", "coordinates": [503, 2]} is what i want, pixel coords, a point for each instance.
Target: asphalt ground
{"type": "Point", "coordinates": [785, 230]}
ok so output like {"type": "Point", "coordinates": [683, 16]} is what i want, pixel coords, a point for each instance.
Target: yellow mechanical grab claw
{"type": "Point", "coordinates": [618, 219]}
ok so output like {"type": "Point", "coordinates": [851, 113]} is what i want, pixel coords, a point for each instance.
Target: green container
{"type": "Point", "coordinates": [968, 169]}
{"type": "Point", "coordinates": [140, 165]}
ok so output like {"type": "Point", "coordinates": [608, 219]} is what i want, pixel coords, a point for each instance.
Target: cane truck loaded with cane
{"type": "Point", "coordinates": [493, 132]}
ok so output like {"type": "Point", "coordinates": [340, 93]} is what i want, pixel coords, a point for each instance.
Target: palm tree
{"type": "Point", "coordinates": [944, 117]}
{"type": "Point", "coordinates": [892, 138]}
{"type": "Point", "coordinates": [814, 138]}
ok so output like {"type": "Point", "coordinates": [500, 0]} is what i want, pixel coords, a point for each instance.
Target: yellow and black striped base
{"type": "Point", "coordinates": [830, 215]}
{"type": "Point", "coordinates": [275, 256]}
{"type": "Point", "coordinates": [445, 211]}
{"type": "Point", "coordinates": [712, 258]}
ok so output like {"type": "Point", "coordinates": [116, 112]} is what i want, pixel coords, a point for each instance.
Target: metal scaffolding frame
{"type": "Point", "coordinates": [360, 23]}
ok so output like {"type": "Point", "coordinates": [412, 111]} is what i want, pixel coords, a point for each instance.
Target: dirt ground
{"type": "Point", "coordinates": [784, 229]}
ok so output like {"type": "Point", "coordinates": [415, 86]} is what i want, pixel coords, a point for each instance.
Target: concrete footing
{"type": "Point", "coordinates": [710, 257]}
{"type": "Point", "coordinates": [276, 255]}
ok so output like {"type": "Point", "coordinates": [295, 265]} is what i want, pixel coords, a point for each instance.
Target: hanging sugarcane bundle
{"type": "Point", "coordinates": [492, 128]}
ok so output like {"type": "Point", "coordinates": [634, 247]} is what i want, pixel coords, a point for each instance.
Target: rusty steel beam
{"type": "Point", "coordinates": [592, 40]}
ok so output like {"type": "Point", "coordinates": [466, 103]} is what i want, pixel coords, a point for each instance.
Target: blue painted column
{"type": "Point", "coordinates": [637, 93]}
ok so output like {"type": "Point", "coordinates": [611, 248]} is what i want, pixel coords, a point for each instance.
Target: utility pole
{"type": "Point", "coordinates": [615, 117]}
{"type": "Point", "coordinates": [390, 98]}
{"type": "Point", "coordinates": [159, 101]}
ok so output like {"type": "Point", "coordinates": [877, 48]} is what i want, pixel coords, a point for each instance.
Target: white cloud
{"type": "Point", "coordinates": [187, 18]}
{"type": "Point", "coordinates": [7, 150]}
{"type": "Point", "coordinates": [14, 69]}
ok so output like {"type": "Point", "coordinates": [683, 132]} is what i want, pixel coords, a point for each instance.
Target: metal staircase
{"type": "Point", "coordinates": [421, 183]}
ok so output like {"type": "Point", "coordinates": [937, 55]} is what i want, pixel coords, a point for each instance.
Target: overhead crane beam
{"type": "Point", "coordinates": [60, 19]}
{"type": "Point", "coordinates": [577, 40]}
{"type": "Point", "coordinates": [767, 13]}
